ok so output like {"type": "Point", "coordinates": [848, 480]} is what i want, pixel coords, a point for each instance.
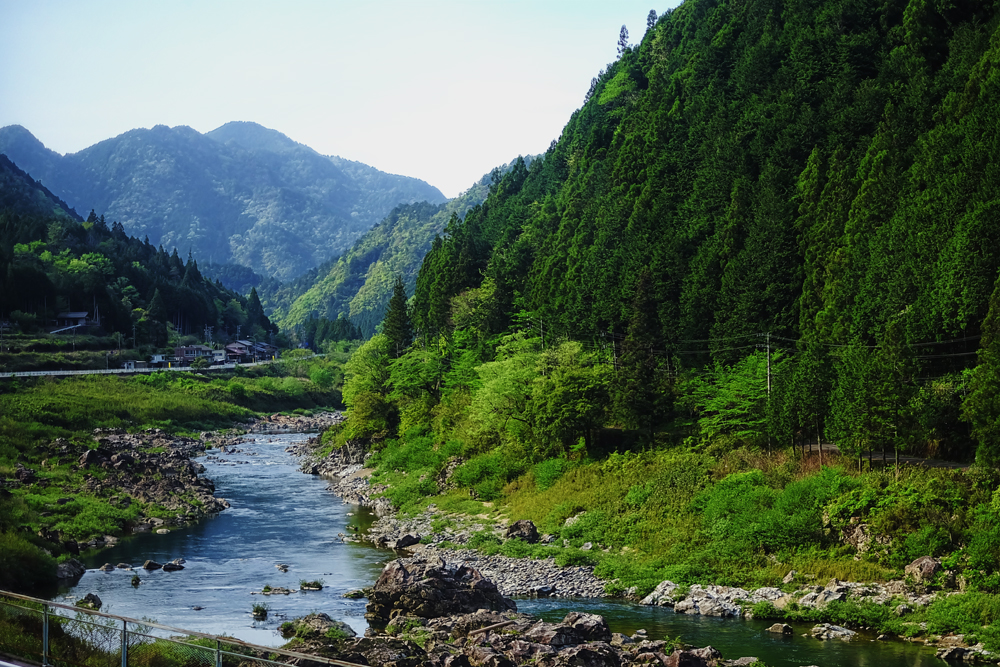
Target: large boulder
{"type": "Point", "coordinates": [71, 569]}
{"type": "Point", "coordinates": [430, 588]}
{"type": "Point", "coordinates": [923, 569]}
{"type": "Point", "coordinates": [524, 530]}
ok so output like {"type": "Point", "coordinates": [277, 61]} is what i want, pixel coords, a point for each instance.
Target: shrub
{"type": "Point", "coordinates": [548, 472]}
{"type": "Point", "coordinates": [23, 566]}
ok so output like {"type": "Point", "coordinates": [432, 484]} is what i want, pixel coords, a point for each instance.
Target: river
{"type": "Point", "coordinates": [280, 516]}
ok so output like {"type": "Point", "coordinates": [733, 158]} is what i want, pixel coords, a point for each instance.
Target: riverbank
{"type": "Point", "coordinates": [909, 608]}
{"type": "Point", "coordinates": [426, 611]}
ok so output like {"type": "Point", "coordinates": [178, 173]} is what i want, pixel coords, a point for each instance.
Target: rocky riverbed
{"type": "Point", "coordinates": [438, 614]}
{"type": "Point", "coordinates": [422, 534]}
{"type": "Point", "coordinates": [153, 468]}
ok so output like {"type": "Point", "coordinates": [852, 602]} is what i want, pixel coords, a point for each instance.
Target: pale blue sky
{"type": "Point", "coordinates": [443, 90]}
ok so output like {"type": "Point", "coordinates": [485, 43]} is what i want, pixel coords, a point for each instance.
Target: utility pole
{"type": "Point", "coordinates": [769, 365]}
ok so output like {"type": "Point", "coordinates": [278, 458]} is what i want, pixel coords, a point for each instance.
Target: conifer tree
{"type": "Point", "coordinates": [982, 406]}
{"type": "Point", "coordinates": [634, 394]}
{"type": "Point", "coordinates": [397, 325]}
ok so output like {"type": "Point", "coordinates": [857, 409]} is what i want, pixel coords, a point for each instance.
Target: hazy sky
{"type": "Point", "coordinates": [443, 90]}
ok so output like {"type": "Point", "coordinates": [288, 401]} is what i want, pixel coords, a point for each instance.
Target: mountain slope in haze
{"type": "Point", "coordinates": [241, 193]}
{"type": "Point", "coordinates": [358, 284]}
{"type": "Point", "coordinates": [21, 194]}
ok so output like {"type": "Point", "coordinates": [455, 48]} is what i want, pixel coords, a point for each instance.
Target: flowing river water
{"type": "Point", "coordinates": [281, 516]}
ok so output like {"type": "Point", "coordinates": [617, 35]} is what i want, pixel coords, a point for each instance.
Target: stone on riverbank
{"type": "Point", "coordinates": [923, 569]}
{"type": "Point", "coordinates": [318, 623]}
{"type": "Point", "coordinates": [781, 629]}
{"type": "Point", "coordinates": [662, 595]}
{"type": "Point", "coordinates": [71, 569]}
{"type": "Point", "coordinates": [524, 530]}
{"type": "Point", "coordinates": [829, 631]}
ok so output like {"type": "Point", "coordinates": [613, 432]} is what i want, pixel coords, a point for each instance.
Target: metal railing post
{"type": "Point", "coordinates": [124, 643]}
{"type": "Point", "coordinates": [218, 653]}
{"type": "Point", "coordinates": [45, 635]}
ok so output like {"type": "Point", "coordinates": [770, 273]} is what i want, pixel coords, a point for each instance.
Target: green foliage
{"type": "Point", "coordinates": [24, 567]}
{"type": "Point", "coordinates": [548, 471]}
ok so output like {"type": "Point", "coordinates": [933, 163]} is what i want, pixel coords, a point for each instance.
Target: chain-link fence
{"type": "Point", "coordinates": [57, 635]}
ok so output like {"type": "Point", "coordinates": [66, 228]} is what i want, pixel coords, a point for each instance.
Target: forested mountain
{"type": "Point", "coordinates": [770, 222]}
{"type": "Point", "coordinates": [358, 284]}
{"type": "Point", "coordinates": [23, 194]}
{"type": "Point", "coordinates": [51, 261]}
{"type": "Point", "coordinates": [242, 193]}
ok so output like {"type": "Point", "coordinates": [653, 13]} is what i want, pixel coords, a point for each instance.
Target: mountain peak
{"type": "Point", "coordinates": [253, 136]}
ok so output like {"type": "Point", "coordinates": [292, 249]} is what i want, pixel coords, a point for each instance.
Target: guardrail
{"type": "Point", "coordinates": [58, 635]}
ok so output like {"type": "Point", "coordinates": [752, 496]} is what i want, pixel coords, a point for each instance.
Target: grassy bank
{"type": "Point", "coordinates": [36, 412]}
{"type": "Point", "coordinates": [744, 517]}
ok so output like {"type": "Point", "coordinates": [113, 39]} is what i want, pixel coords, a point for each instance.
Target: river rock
{"type": "Point", "coordinates": [552, 634]}
{"type": "Point", "coordinates": [407, 540]}
{"type": "Point", "coordinates": [107, 567]}
{"type": "Point", "coordinates": [790, 577]}
{"type": "Point", "coordinates": [123, 566]}
{"type": "Point", "coordinates": [591, 627]}
{"type": "Point", "coordinates": [151, 565]}
{"type": "Point", "coordinates": [589, 655]}
{"type": "Point", "coordinates": [781, 629]}
{"type": "Point", "coordinates": [430, 588]}
{"type": "Point", "coordinates": [172, 566]}
{"type": "Point", "coordinates": [828, 631]}
{"type": "Point", "coordinates": [923, 569]}
{"type": "Point", "coordinates": [90, 601]}
{"type": "Point", "coordinates": [321, 623]}
{"type": "Point", "coordinates": [71, 569]}
{"type": "Point", "coordinates": [713, 601]}
{"type": "Point", "coordinates": [524, 530]}
{"type": "Point", "coordinates": [662, 595]}
{"type": "Point", "coordinates": [835, 591]}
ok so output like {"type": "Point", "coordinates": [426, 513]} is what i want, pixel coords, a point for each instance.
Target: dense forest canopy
{"type": "Point", "coordinates": [770, 222]}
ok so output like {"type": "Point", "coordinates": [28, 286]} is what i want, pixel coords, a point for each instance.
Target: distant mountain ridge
{"type": "Point", "coordinates": [358, 284]}
{"type": "Point", "coordinates": [241, 193]}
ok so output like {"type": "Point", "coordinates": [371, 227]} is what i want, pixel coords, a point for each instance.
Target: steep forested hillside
{"type": "Point", "coordinates": [23, 194]}
{"type": "Point", "coordinates": [50, 261]}
{"type": "Point", "coordinates": [770, 223]}
{"type": "Point", "coordinates": [241, 193]}
{"type": "Point", "coordinates": [358, 284]}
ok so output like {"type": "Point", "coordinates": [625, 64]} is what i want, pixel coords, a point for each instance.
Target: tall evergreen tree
{"type": "Point", "coordinates": [397, 325]}
{"type": "Point", "coordinates": [634, 393]}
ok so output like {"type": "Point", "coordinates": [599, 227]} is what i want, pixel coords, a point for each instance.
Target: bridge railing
{"type": "Point", "coordinates": [48, 633]}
